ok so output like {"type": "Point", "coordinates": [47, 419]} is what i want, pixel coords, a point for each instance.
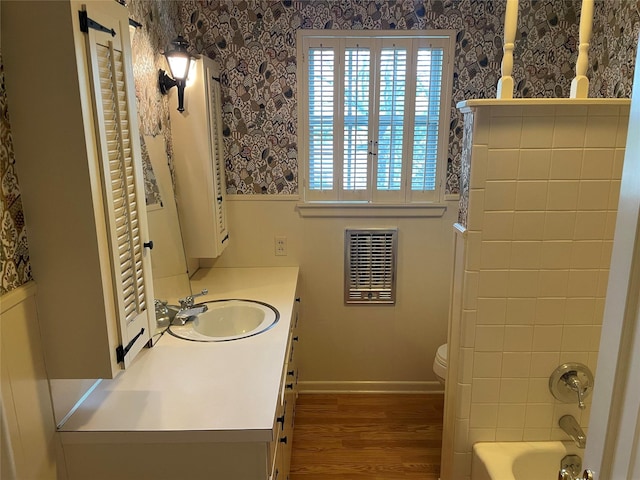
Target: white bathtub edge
{"type": "Point", "coordinates": [495, 460]}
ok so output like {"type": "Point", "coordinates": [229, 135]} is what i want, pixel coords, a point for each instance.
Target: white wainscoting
{"type": "Point", "coordinates": [28, 429]}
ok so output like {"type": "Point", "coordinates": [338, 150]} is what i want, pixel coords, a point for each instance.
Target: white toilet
{"type": "Point", "coordinates": [440, 363]}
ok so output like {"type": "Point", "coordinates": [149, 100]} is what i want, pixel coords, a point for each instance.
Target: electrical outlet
{"type": "Point", "coordinates": [281, 246]}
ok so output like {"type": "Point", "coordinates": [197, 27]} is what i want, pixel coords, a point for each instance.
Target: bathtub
{"type": "Point", "coordinates": [520, 460]}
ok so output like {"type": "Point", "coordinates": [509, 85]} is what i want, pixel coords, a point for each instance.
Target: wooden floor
{"type": "Point", "coordinates": [367, 436]}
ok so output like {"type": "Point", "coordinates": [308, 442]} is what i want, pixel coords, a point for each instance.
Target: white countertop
{"type": "Point", "coordinates": [194, 391]}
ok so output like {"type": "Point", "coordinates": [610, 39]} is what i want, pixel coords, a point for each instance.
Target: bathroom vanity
{"type": "Point", "coordinates": [198, 410]}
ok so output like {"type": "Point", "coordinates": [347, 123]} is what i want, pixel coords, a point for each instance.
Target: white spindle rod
{"type": "Point", "coordinates": [580, 84]}
{"type": "Point", "coordinates": [505, 84]}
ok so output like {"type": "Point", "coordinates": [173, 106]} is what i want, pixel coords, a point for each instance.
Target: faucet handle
{"type": "Point", "coordinates": [570, 380]}
{"type": "Point", "coordinates": [187, 302]}
{"type": "Point", "coordinates": [204, 292]}
{"type": "Point", "coordinates": [574, 383]}
{"type": "Point", "coordinates": [160, 306]}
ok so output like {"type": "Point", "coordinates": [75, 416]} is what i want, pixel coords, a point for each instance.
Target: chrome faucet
{"type": "Point", "coordinates": [188, 302]}
{"type": "Point", "coordinates": [188, 309]}
{"type": "Point", "coordinates": [186, 314]}
{"type": "Point", "coordinates": [571, 427]}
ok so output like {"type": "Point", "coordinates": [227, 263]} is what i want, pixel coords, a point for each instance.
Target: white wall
{"type": "Point", "coordinates": [353, 347]}
{"type": "Point", "coordinates": [28, 437]}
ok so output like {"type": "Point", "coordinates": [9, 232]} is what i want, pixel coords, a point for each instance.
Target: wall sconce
{"type": "Point", "coordinates": [179, 61]}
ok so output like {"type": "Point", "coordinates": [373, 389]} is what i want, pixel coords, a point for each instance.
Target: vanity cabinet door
{"type": "Point", "coordinates": [74, 124]}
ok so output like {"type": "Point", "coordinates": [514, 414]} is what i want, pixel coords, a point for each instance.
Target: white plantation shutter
{"type": "Point", "coordinates": [219, 187]}
{"type": "Point", "coordinates": [357, 73]}
{"type": "Point", "coordinates": [119, 151]}
{"type": "Point", "coordinates": [427, 118]}
{"type": "Point", "coordinates": [391, 118]}
{"type": "Point", "coordinates": [374, 130]}
{"type": "Point", "coordinates": [321, 106]}
{"type": "Point", "coordinates": [370, 265]}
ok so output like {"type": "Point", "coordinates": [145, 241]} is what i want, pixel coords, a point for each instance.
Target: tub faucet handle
{"type": "Point", "coordinates": [576, 385]}
{"type": "Point", "coordinates": [571, 380]}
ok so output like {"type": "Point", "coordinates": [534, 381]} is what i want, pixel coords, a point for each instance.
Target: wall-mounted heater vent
{"type": "Point", "coordinates": [370, 265]}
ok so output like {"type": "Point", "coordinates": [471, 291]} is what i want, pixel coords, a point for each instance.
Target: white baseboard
{"type": "Point", "coordinates": [370, 387]}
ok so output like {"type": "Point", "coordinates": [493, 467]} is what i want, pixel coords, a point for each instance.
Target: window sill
{"type": "Point", "coordinates": [346, 209]}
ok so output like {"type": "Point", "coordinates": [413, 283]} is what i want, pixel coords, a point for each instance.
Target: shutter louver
{"type": "Point", "coordinates": [427, 118]}
{"type": "Point", "coordinates": [122, 180]}
{"type": "Point", "coordinates": [370, 266]}
{"type": "Point", "coordinates": [393, 75]}
{"type": "Point", "coordinates": [321, 118]}
{"type": "Point", "coordinates": [357, 68]}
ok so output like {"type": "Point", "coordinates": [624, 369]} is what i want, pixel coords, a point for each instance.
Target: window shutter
{"type": "Point", "coordinates": [118, 148]}
{"type": "Point", "coordinates": [429, 72]}
{"type": "Point", "coordinates": [370, 266]}
{"type": "Point", "coordinates": [357, 71]}
{"type": "Point", "coordinates": [321, 117]}
{"type": "Point", "coordinates": [393, 77]}
{"type": "Point", "coordinates": [374, 129]}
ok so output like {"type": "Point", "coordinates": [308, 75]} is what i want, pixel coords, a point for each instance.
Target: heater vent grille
{"type": "Point", "coordinates": [370, 266]}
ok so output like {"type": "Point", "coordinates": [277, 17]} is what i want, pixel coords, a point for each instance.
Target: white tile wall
{"type": "Point", "coordinates": [491, 311]}
{"type": "Point", "coordinates": [502, 165]}
{"type": "Point", "coordinates": [569, 131]}
{"type": "Point", "coordinates": [559, 225]}
{"type": "Point", "coordinates": [521, 311]}
{"type": "Point", "coordinates": [566, 164]}
{"type": "Point", "coordinates": [525, 254]}
{"type": "Point", "coordinates": [537, 132]}
{"type": "Point", "coordinates": [505, 132]}
{"type": "Point", "coordinates": [544, 189]}
{"type": "Point", "coordinates": [534, 164]}
{"type": "Point", "coordinates": [479, 173]}
{"type": "Point", "coordinates": [499, 195]}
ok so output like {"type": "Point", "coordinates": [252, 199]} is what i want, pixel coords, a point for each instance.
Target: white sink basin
{"type": "Point", "coordinates": [228, 320]}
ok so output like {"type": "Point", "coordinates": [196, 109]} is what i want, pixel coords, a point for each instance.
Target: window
{"type": "Point", "coordinates": [375, 113]}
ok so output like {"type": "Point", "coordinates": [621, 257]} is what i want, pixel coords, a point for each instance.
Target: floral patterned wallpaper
{"type": "Point", "coordinates": [465, 168]}
{"type": "Point", "coordinates": [254, 41]}
{"type": "Point", "coordinates": [158, 27]}
{"type": "Point", "coordinates": [14, 253]}
{"type": "Point", "coordinates": [613, 47]}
